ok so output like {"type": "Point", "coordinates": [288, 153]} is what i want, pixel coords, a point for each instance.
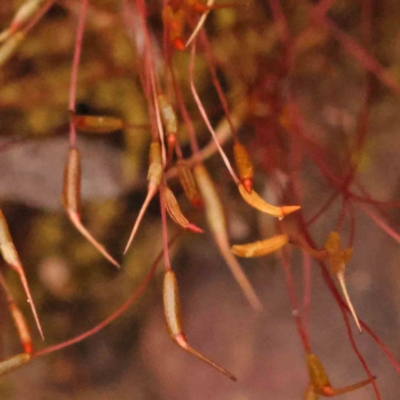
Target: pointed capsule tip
{"type": "Point", "coordinates": [178, 44]}
{"type": "Point", "coordinates": [286, 210]}
{"type": "Point", "coordinates": [198, 203]}
{"type": "Point", "coordinates": [247, 184]}
{"type": "Point", "coordinates": [28, 347]}
{"type": "Point", "coordinates": [194, 228]}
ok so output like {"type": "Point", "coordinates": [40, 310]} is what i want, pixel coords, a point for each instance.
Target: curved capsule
{"type": "Point", "coordinates": [258, 203]}
{"type": "Point", "coordinates": [172, 313]}
{"type": "Point", "coordinates": [72, 197]}
{"type": "Point", "coordinates": [174, 211]}
{"type": "Point", "coordinates": [261, 247]}
{"type": "Point", "coordinates": [97, 124]}
{"type": "Point", "coordinates": [244, 165]}
{"type": "Point", "coordinates": [10, 256]}
{"type": "Point", "coordinates": [188, 183]}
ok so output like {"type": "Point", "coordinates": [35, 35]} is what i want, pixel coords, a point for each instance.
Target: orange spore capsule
{"type": "Point", "coordinates": [189, 184]}
{"type": "Point", "coordinates": [261, 247]}
{"type": "Point", "coordinates": [97, 124]}
{"type": "Point", "coordinates": [244, 165]}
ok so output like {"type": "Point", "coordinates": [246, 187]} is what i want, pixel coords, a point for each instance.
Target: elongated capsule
{"type": "Point", "coordinates": [155, 172]}
{"type": "Point", "coordinates": [172, 313]}
{"type": "Point", "coordinates": [318, 377]}
{"type": "Point", "coordinates": [154, 177]}
{"type": "Point", "coordinates": [174, 211]}
{"type": "Point", "coordinates": [174, 23]}
{"type": "Point", "coordinates": [21, 326]}
{"type": "Point", "coordinates": [12, 363]}
{"type": "Point", "coordinates": [320, 381]}
{"type": "Point", "coordinates": [168, 115]}
{"type": "Point", "coordinates": [188, 183]}
{"type": "Point", "coordinates": [261, 247]}
{"type": "Point", "coordinates": [258, 203]}
{"type": "Point", "coordinates": [217, 223]}
{"type": "Point", "coordinates": [72, 197]}
{"type": "Point", "coordinates": [18, 317]}
{"type": "Point", "coordinates": [72, 181]}
{"type": "Point", "coordinates": [169, 119]}
{"type": "Point", "coordinates": [244, 165]}
{"type": "Point", "coordinates": [10, 256]}
{"type": "Point", "coordinates": [97, 124]}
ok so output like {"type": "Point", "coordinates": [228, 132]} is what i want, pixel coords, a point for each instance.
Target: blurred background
{"type": "Point", "coordinates": [341, 68]}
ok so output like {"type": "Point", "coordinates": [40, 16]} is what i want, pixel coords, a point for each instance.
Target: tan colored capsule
{"type": "Point", "coordinates": [72, 198]}
{"type": "Point", "coordinates": [244, 165]}
{"type": "Point", "coordinates": [97, 124]}
{"type": "Point", "coordinates": [318, 377]}
{"type": "Point", "coordinates": [12, 363]}
{"type": "Point", "coordinates": [174, 211]}
{"type": "Point", "coordinates": [155, 172]}
{"type": "Point", "coordinates": [10, 256]}
{"type": "Point", "coordinates": [172, 307]}
{"type": "Point", "coordinates": [188, 183]}
{"type": "Point", "coordinates": [320, 383]}
{"type": "Point", "coordinates": [172, 313]}
{"type": "Point", "coordinates": [261, 247]}
{"type": "Point", "coordinates": [168, 115]}
{"type": "Point", "coordinates": [258, 203]}
{"type": "Point", "coordinates": [72, 181]}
